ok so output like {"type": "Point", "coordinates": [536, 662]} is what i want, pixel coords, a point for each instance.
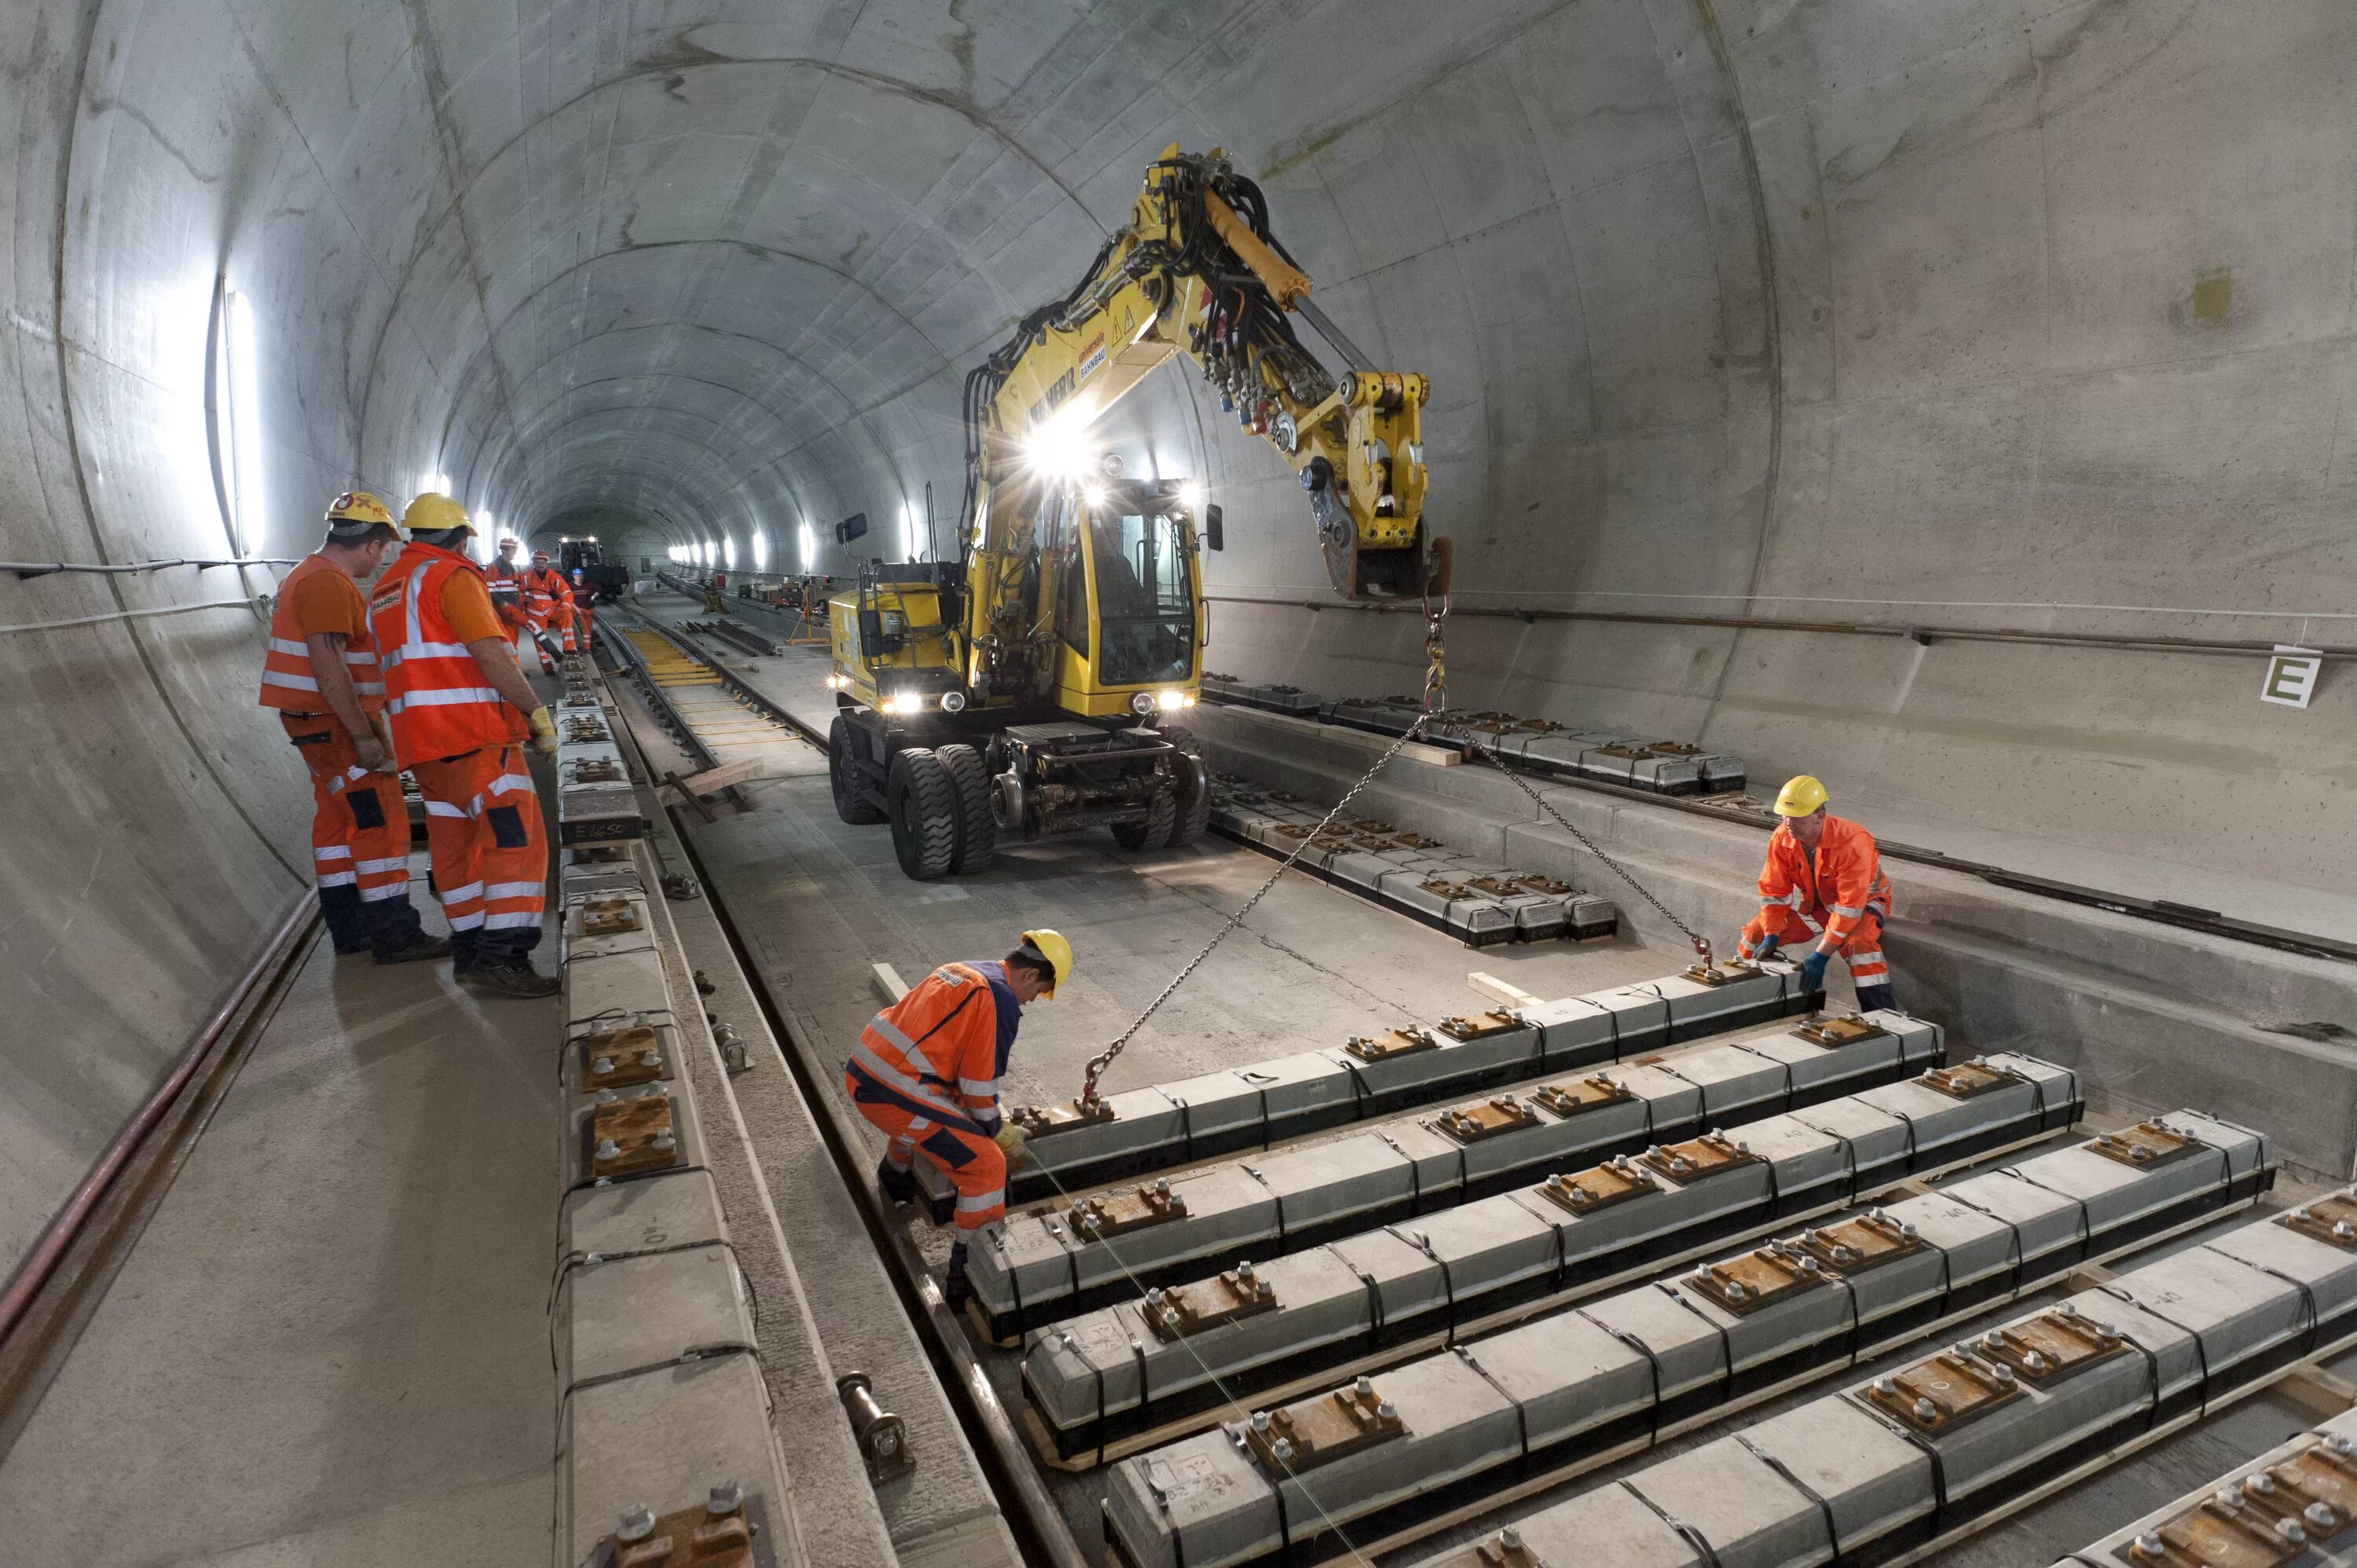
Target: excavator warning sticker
{"type": "Point", "coordinates": [1092, 357]}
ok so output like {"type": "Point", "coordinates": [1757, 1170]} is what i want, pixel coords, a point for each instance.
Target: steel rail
{"type": "Point", "coordinates": [42, 1260]}
{"type": "Point", "coordinates": [989, 1426]}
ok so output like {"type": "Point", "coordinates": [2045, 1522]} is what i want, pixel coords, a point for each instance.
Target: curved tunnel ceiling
{"type": "Point", "coordinates": [734, 270]}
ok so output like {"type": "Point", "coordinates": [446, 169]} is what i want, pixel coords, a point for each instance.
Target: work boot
{"type": "Point", "coordinates": [957, 1289]}
{"type": "Point", "coordinates": [897, 1183]}
{"type": "Point", "coordinates": [346, 950]}
{"type": "Point", "coordinates": [421, 948]}
{"type": "Point", "coordinates": [1873, 998]}
{"type": "Point", "coordinates": [515, 977]}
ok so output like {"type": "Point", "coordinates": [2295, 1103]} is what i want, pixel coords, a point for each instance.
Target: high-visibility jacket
{"type": "Point", "coordinates": [547, 599]}
{"type": "Point", "coordinates": [1845, 881]}
{"type": "Point", "coordinates": [287, 682]}
{"type": "Point", "coordinates": [437, 701]}
{"type": "Point", "coordinates": [940, 1051]}
{"type": "Point", "coordinates": [506, 584]}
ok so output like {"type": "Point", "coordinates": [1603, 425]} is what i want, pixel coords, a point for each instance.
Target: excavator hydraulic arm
{"type": "Point", "coordinates": [1197, 272]}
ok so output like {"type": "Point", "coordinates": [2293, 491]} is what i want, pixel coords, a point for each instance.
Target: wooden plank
{"type": "Point", "coordinates": [888, 982]}
{"type": "Point", "coordinates": [1501, 992]}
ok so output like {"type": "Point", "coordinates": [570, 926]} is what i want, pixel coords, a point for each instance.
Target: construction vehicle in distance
{"type": "Point", "coordinates": [1027, 688]}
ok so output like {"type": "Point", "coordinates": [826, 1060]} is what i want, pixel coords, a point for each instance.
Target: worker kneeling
{"type": "Point", "coordinates": [926, 1072]}
{"type": "Point", "coordinates": [1823, 883]}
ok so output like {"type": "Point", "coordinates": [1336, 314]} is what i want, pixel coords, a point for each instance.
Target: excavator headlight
{"type": "Point", "coordinates": [1169, 701]}
{"type": "Point", "coordinates": [953, 701]}
{"type": "Point", "coordinates": [1142, 704]}
{"type": "Point", "coordinates": [1194, 497]}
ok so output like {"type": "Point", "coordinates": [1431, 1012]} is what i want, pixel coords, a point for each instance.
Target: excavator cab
{"type": "Point", "coordinates": [1120, 559]}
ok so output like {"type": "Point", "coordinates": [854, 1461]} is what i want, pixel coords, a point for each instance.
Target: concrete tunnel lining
{"type": "Point", "coordinates": [2004, 311]}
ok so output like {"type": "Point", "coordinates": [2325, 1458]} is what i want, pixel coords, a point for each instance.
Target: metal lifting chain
{"type": "Point", "coordinates": [1436, 699]}
{"type": "Point", "coordinates": [1490, 754]}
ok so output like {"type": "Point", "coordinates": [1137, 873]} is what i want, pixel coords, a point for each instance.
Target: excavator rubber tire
{"type": "Point", "coordinates": [1155, 831]}
{"type": "Point", "coordinates": [977, 838]}
{"type": "Point", "coordinates": [1194, 815]}
{"type": "Point", "coordinates": [924, 806]}
{"type": "Point", "coordinates": [842, 777]}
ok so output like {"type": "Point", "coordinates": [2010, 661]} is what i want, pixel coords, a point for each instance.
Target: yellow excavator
{"type": "Point", "coordinates": [1030, 686]}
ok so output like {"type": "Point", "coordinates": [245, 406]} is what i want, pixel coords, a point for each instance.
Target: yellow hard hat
{"type": "Point", "coordinates": [1051, 946]}
{"type": "Point", "coordinates": [1799, 796]}
{"type": "Point", "coordinates": [357, 506]}
{"type": "Point", "coordinates": [432, 513]}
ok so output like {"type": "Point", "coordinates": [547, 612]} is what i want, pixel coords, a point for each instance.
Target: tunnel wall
{"type": "Point", "coordinates": [2008, 301]}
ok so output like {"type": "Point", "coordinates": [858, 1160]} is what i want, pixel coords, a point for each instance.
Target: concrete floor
{"type": "Point", "coordinates": [330, 1345]}
{"type": "Point", "coordinates": [822, 902]}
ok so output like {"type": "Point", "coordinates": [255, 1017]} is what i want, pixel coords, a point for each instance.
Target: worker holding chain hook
{"type": "Point", "coordinates": [926, 1070]}
{"type": "Point", "coordinates": [1822, 881]}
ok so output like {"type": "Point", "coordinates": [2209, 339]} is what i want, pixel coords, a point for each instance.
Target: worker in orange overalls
{"type": "Point", "coordinates": [320, 672]}
{"type": "Point", "coordinates": [461, 712]}
{"type": "Point", "coordinates": [1823, 883]}
{"type": "Point", "coordinates": [926, 1073]}
{"type": "Point", "coordinates": [548, 608]}
{"type": "Point", "coordinates": [504, 577]}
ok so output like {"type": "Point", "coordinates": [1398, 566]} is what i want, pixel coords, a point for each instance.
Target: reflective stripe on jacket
{"type": "Point", "coordinates": [1845, 881]}
{"type": "Point", "coordinates": [546, 597]}
{"type": "Point", "coordinates": [937, 1052]}
{"type": "Point", "coordinates": [287, 682]}
{"type": "Point", "coordinates": [436, 702]}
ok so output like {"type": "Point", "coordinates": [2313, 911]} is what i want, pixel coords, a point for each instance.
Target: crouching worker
{"type": "Point", "coordinates": [1822, 889]}
{"type": "Point", "coordinates": [926, 1073]}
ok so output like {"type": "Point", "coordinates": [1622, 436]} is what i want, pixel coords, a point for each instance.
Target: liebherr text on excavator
{"type": "Point", "coordinates": [1029, 687]}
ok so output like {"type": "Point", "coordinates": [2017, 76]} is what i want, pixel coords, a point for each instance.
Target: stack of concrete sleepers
{"type": "Point", "coordinates": [1479, 902]}
{"type": "Point", "coordinates": [1285, 1314]}
{"type": "Point", "coordinates": [1542, 1397]}
{"type": "Point", "coordinates": [1609, 756]}
{"type": "Point", "coordinates": [1269, 698]}
{"type": "Point", "coordinates": [1308, 1092]}
{"type": "Point", "coordinates": [1893, 1462]}
{"type": "Point", "coordinates": [662, 1408]}
{"type": "Point", "coordinates": [1606, 754]}
{"type": "Point", "coordinates": [1040, 1265]}
{"type": "Point", "coordinates": [2292, 1507]}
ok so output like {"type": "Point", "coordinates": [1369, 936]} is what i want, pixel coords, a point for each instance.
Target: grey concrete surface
{"type": "Point", "coordinates": [2014, 313]}
{"type": "Point", "coordinates": [829, 1307]}
{"type": "Point", "coordinates": [1897, 305]}
{"type": "Point", "coordinates": [331, 1344]}
{"type": "Point", "coordinates": [2153, 1015]}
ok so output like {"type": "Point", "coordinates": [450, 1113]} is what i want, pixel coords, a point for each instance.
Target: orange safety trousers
{"type": "Point", "coordinates": [489, 853]}
{"type": "Point", "coordinates": [1798, 928]}
{"type": "Point", "coordinates": [970, 1157]}
{"type": "Point", "coordinates": [359, 838]}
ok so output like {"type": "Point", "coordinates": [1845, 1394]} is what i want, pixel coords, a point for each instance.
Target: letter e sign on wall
{"type": "Point", "coordinates": [2291, 675]}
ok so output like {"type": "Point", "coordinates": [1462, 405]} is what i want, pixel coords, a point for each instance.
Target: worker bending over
{"type": "Point", "coordinates": [1822, 881]}
{"type": "Point", "coordinates": [926, 1073]}
{"type": "Point", "coordinates": [548, 608]}
{"type": "Point", "coordinates": [321, 674]}
{"type": "Point", "coordinates": [461, 710]}
{"type": "Point", "coordinates": [504, 577]}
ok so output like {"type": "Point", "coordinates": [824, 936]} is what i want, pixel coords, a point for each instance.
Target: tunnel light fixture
{"type": "Point", "coordinates": [809, 552]}
{"type": "Point", "coordinates": [433, 482]}
{"type": "Point", "coordinates": [728, 550]}
{"type": "Point", "coordinates": [240, 371]}
{"type": "Point", "coordinates": [760, 551]}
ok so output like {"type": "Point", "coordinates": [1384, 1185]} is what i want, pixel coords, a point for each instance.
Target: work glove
{"type": "Point", "coordinates": [368, 752]}
{"type": "Point", "coordinates": [1768, 946]}
{"type": "Point", "coordinates": [1812, 971]}
{"type": "Point", "coordinates": [543, 731]}
{"type": "Point", "coordinates": [1010, 1140]}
